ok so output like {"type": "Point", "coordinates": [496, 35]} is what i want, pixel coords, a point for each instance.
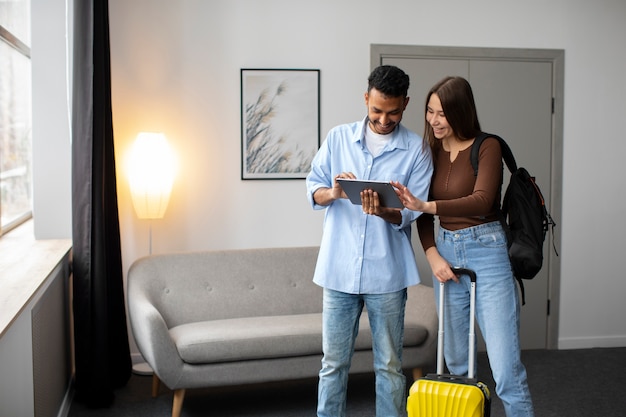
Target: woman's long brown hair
{"type": "Point", "coordinates": [457, 101]}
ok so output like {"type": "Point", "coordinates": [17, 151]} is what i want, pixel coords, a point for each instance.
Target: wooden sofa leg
{"type": "Point", "coordinates": [417, 373]}
{"type": "Point", "coordinates": [155, 385]}
{"type": "Point", "coordinates": [179, 396]}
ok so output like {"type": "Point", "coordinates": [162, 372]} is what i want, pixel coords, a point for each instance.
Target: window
{"type": "Point", "coordinates": [15, 114]}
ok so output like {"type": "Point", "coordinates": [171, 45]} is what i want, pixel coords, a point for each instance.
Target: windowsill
{"type": "Point", "coordinates": [25, 263]}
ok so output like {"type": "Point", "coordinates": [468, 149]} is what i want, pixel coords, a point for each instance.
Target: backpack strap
{"type": "Point", "coordinates": [507, 154]}
{"type": "Point", "coordinates": [509, 160]}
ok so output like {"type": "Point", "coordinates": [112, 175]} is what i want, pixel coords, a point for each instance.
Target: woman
{"type": "Point", "coordinates": [470, 236]}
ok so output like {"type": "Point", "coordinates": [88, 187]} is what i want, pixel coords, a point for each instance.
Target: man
{"type": "Point", "coordinates": [366, 257]}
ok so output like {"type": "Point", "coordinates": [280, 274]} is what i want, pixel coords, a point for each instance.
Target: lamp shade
{"type": "Point", "coordinates": [151, 171]}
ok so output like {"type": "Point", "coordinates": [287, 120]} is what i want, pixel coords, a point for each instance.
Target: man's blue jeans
{"type": "Point", "coordinates": [340, 327]}
{"type": "Point", "coordinates": [483, 248]}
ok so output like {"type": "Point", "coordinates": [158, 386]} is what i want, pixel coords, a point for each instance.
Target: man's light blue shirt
{"type": "Point", "coordinates": [361, 253]}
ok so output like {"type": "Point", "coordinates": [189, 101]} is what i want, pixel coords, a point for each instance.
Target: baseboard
{"type": "Point", "coordinates": [591, 342]}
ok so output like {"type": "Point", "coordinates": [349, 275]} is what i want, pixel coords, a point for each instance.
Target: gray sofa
{"type": "Point", "coordinates": [233, 317]}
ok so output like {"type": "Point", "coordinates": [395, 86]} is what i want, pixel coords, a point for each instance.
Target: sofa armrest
{"type": "Point", "coordinates": [153, 339]}
{"type": "Point", "coordinates": [421, 303]}
{"type": "Point", "coordinates": [421, 307]}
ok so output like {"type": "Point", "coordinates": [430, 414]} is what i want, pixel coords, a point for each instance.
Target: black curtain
{"type": "Point", "coordinates": [101, 338]}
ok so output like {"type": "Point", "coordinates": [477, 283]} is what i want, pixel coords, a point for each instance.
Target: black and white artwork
{"type": "Point", "coordinates": [280, 128]}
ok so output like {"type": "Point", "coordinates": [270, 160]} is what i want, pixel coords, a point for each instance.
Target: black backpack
{"type": "Point", "coordinates": [524, 215]}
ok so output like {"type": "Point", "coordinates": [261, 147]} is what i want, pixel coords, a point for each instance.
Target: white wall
{"type": "Point", "coordinates": [175, 68]}
{"type": "Point", "coordinates": [52, 204]}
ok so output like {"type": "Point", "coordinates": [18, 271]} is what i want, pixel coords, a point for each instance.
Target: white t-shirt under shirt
{"type": "Point", "coordinates": [375, 142]}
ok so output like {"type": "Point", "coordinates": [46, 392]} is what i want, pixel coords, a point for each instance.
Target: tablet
{"type": "Point", "coordinates": [386, 192]}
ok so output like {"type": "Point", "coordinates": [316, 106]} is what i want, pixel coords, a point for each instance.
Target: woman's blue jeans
{"type": "Point", "coordinates": [483, 248]}
{"type": "Point", "coordinates": [340, 327]}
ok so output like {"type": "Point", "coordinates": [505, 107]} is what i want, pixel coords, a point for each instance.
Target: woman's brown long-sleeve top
{"type": "Point", "coordinates": [464, 200]}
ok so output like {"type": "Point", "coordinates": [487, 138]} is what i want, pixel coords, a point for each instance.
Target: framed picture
{"type": "Point", "coordinates": [280, 122]}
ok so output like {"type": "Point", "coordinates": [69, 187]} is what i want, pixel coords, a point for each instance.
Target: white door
{"type": "Point", "coordinates": [514, 99]}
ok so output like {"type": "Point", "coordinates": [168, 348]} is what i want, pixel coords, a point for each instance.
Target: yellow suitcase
{"type": "Point", "coordinates": [444, 395]}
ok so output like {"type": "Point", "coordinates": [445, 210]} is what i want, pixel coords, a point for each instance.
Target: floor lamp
{"type": "Point", "coordinates": [151, 176]}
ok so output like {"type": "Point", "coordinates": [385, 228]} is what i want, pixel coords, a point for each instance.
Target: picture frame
{"type": "Point", "coordinates": [280, 122]}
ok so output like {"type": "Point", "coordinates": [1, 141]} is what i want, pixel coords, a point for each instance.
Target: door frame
{"type": "Point", "coordinates": [557, 58]}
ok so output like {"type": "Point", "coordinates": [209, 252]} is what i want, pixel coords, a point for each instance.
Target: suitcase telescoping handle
{"type": "Point", "coordinates": [472, 334]}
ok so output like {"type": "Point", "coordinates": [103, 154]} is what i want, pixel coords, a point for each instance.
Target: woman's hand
{"type": "Point", "coordinates": [439, 266]}
{"type": "Point", "coordinates": [411, 202]}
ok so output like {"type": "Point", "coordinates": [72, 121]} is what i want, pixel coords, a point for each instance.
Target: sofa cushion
{"type": "Point", "coordinates": [266, 337]}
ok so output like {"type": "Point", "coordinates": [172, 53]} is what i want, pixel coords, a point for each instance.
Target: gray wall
{"type": "Point", "coordinates": [35, 350]}
{"type": "Point", "coordinates": [175, 67]}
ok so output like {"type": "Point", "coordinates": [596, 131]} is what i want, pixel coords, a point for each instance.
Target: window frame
{"type": "Point", "coordinates": [14, 42]}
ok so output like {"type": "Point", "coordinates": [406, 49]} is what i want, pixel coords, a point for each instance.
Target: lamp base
{"type": "Point", "coordinates": [142, 368]}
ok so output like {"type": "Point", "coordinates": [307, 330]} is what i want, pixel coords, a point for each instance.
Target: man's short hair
{"type": "Point", "coordinates": [389, 80]}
